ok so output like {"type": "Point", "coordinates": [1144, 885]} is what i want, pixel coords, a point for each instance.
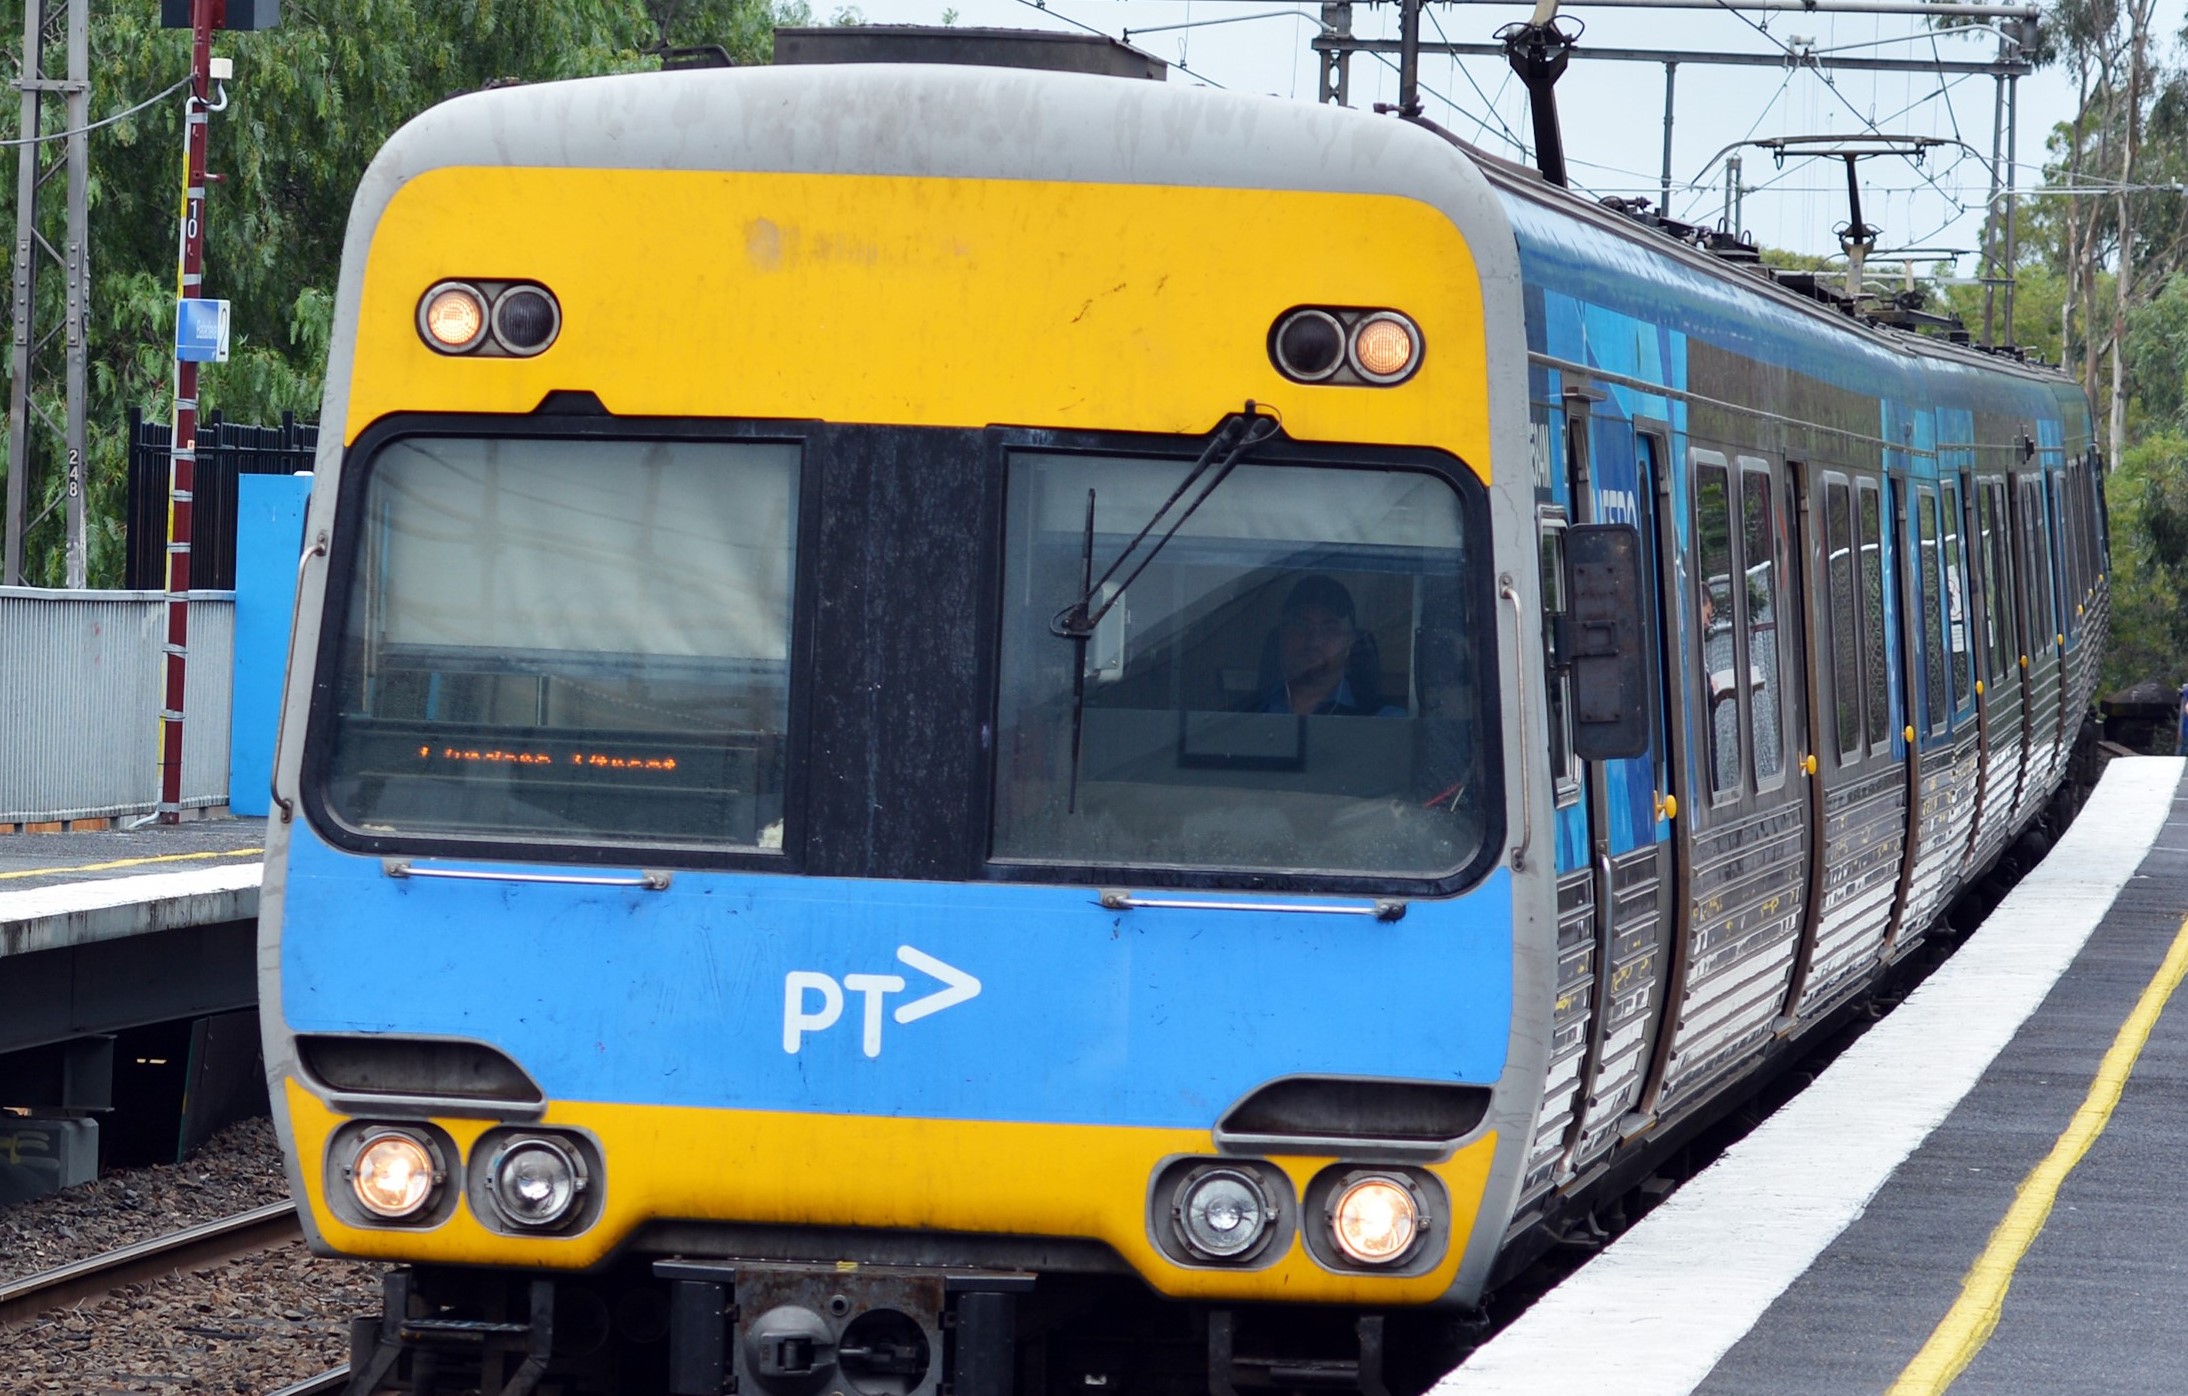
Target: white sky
{"type": "Point", "coordinates": [1612, 112]}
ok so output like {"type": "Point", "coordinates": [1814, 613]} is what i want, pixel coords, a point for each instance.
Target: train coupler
{"type": "Point", "coordinates": [1232, 1370]}
{"type": "Point", "coordinates": [405, 1350]}
{"type": "Point", "coordinates": [827, 1330]}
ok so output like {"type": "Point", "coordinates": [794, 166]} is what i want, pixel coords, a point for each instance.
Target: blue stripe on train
{"type": "Point", "coordinates": [1086, 1016]}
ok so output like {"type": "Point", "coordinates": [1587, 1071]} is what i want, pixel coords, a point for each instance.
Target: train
{"type": "Point", "coordinates": [996, 730]}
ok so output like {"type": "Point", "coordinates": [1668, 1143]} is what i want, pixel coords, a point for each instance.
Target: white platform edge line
{"type": "Point", "coordinates": [1653, 1314]}
{"type": "Point", "coordinates": [75, 898]}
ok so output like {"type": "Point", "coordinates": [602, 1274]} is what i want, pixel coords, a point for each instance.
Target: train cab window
{"type": "Point", "coordinates": [577, 642]}
{"type": "Point", "coordinates": [1296, 682]}
{"type": "Point", "coordinates": [1838, 527]}
{"type": "Point", "coordinates": [1720, 659]}
{"type": "Point", "coordinates": [1877, 709]}
{"type": "Point", "coordinates": [1937, 698]}
{"type": "Point", "coordinates": [1759, 556]}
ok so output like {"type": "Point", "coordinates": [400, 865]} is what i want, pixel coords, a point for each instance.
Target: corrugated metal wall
{"type": "Point", "coordinates": [80, 678]}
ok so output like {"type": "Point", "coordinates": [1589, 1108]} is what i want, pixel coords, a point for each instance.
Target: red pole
{"type": "Point", "coordinates": [182, 457]}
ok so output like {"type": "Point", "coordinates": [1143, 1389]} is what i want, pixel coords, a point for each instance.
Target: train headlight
{"type": "Point", "coordinates": [1375, 1220]}
{"type": "Point", "coordinates": [1385, 347]}
{"type": "Point", "coordinates": [535, 1182]}
{"type": "Point", "coordinates": [1222, 1214]}
{"type": "Point", "coordinates": [1309, 345]}
{"type": "Point", "coordinates": [452, 317]}
{"type": "Point", "coordinates": [526, 319]}
{"type": "Point", "coordinates": [394, 1174]}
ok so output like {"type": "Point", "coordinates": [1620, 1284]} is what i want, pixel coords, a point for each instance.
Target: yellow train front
{"type": "Point", "coordinates": [894, 768]}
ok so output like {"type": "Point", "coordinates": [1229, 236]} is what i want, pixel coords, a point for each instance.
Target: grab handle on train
{"type": "Point", "coordinates": [281, 802]}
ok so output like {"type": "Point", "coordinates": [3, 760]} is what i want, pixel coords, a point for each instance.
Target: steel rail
{"type": "Point", "coordinates": [261, 1228]}
{"type": "Point", "coordinates": [325, 1384]}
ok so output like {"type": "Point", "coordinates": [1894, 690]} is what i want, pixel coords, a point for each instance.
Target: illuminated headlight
{"type": "Point", "coordinates": [452, 317]}
{"type": "Point", "coordinates": [1384, 347]}
{"type": "Point", "coordinates": [1376, 1220]}
{"type": "Point", "coordinates": [394, 1174]}
{"type": "Point", "coordinates": [535, 1182]}
{"type": "Point", "coordinates": [1222, 1214]}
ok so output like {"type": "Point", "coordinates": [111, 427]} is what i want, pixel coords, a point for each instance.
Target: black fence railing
{"type": "Point", "coordinates": [225, 450]}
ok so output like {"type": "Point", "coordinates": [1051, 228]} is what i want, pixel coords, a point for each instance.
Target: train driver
{"type": "Point", "coordinates": [1324, 664]}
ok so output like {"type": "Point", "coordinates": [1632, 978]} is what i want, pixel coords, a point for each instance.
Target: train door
{"type": "Point", "coordinates": [1748, 854]}
{"type": "Point", "coordinates": [1908, 697]}
{"type": "Point", "coordinates": [1811, 620]}
{"type": "Point", "coordinates": [1623, 866]}
{"type": "Point", "coordinates": [1860, 788]}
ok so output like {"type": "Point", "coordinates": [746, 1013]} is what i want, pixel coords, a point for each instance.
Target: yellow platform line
{"type": "Point", "coordinates": [133, 863]}
{"type": "Point", "coordinates": [1968, 1325]}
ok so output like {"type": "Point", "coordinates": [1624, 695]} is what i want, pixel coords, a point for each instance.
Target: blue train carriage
{"type": "Point", "coordinates": [754, 873]}
{"type": "Point", "coordinates": [1880, 608]}
{"type": "Point", "coordinates": [950, 694]}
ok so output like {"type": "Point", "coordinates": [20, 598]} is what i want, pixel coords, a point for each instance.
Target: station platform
{"type": "Point", "coordinates": [1978, 1194]}
{"type": "Point", "coordinates": [119, 929]}
{"type": "Point", "coordinates": [64, 889]}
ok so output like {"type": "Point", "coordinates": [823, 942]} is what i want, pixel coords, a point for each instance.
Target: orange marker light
{"type": "Point", "coordinates": [1384, 348]}
{"type": "Point", "coordinates": [453, 318]}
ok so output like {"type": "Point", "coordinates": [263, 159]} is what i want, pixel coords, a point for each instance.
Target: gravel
{"type": "Point", "coordinates": [248, 1325]}
{"type": "Point", "coordinates": [238, 1169]}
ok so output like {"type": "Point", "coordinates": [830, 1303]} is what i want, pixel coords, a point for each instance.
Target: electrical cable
{"type": "Point", "coordinates": [106, 121]}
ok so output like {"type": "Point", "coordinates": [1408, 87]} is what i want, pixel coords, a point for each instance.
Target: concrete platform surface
{"type": "Point", "coordinates": [1979, 1194]}
{"type": "Point", "coordinates": [58, 890]}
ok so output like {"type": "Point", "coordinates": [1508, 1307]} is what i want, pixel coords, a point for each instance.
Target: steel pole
{"type": "Point", "coordinates": [2013, 112]}
{"type": "Point", "coordinates": [1671, 76]}
{"type": "Point", "coordinates": [1409, 57]}
{"type": "Point", "coordinates": [1337, 63]}
{"type": "Point", "coordinates": [182, 453]}
{"type": "Point", "coordinates": [1989, 271]}
{"type": "Point", "coordinates": [76, 274]}
{"type": "Point", "coordinates": [25, 284]}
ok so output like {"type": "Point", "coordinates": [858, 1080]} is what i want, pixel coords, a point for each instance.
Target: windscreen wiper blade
{"type": "Point", "coordinates": [1233, 441]}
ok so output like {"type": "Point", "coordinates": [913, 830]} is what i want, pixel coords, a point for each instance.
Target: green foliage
{"type": "Point", "coordinates": [311, 102]}
{"type": "Point", "coordinates": [2147, 497]}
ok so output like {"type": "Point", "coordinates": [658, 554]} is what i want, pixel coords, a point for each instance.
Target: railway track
{"type": "Point", "coordinates": [207, 1243]}
{"type": "Point", "coordinates": [325, 1384]}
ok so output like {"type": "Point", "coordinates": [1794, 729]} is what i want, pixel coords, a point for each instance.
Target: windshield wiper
{"type": "Point", "coordinates": [1235, 438]}
{"type": "Point", "coordinates": [1238, 435]}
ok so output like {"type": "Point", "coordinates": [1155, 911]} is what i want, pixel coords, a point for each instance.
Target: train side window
{"type": "Point", "coordinates": [1956, 596]}
{"type": "Point", "coordinates": [2070, 541]}
{"type": "Point", "coordinates": [1838, 529]}
{"type": "Point", "coordinates": [2046, 592]}
{"type": "Point", "coordinates": [1932, 614]}
{"type": "Point", "coordinates": [1995, 597]}
{"type": "Point", "coordinates": [1877, 710]}
{"type": "Point", "coordinates": [1759, 536]}
{"type": "Point", "coordinates": [1720, 662]}
{"type": "Point", "coordinates": [1556, 678]}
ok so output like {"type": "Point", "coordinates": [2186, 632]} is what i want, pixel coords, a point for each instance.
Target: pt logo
{"type": "Point", "coordinates": [802, 1014]}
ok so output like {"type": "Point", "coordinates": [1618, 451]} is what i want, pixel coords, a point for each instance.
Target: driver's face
{"type": "Point", "coordinates": [1317, 643]}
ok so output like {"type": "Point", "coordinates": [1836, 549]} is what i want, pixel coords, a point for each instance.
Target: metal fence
{"type": "Point", "coordinates": [225, 450]}
{"type": "Point", "coordinates": [80, 682]}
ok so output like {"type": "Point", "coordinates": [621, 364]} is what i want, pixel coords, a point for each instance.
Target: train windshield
{"type": "Point", "coordinates": [1289, 686]}
{"type": "Point", "coordinates": [582, 641]}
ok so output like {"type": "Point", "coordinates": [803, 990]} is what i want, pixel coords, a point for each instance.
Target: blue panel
{"type": "Point", "coordinates": [269, 538]}
{"type": "Point", "coordinates": [686, 996]}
